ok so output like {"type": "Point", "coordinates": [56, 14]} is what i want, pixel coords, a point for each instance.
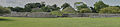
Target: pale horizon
{"type": "Point", "coordinates": [21, 3]}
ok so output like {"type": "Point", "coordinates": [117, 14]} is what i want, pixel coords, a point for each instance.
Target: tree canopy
{"type": "Point", "coordinates": [81, 5]}
{"type": "Point", "coordinates": [4, 10]}
{"type": "Point", "coordinates": [65, 5]}
{"type": "Point", "coordinates": [58, 13]}
{"type": "Point", "coordinates": [99, 5]}
{"type": "Point", "coordinates": [29, 6]}
{"type": "Point", "coordinates": [34, 5]}
{"type": "Point", "coordinates": [19, 9]}
{"type": "Point", "coordinates": [110, 10]}
{"type": "Point", "coordinates": [69, 10]}
{"type": "Point", "coordinates": [85, 10]}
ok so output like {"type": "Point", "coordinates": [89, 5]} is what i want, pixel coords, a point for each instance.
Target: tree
{"type": "Point", "coordinates": [54, 5]}
{"type": "Point", "coordinates": [65, 5]}
{"type": "Point", "coordinates": [110, 10]}
{"type": "Point", "coordinates": [42, 4]}
{"type": "Point", "coordinates": [99, 5]}
{"type": "Point", "coordinates": [69, 10]}
{"type": "Point", "coordinates": [117, 6]}
{"type": "Point", "coordinates": [19, 9]}
{"type": "Point", "coordinates": [47, 8]}
{"type": "Point", "coordinates": [11, 8]}
{"type": "Point", "coordinates": [29, 6]}
{"type": "Point", "coordinates": [34, 5]}
{"type": "Point", "coordinates": [55, 8]}
{"type": "Point", "coordinates": [4, 10]}
{"type": "Point", "coordinates": [85, 10]}
{"type": "Point", "coordinates": [93, 10]}
{"type": "Point", "coordinates": [28, 9]}
{"type": "Point", "coordinates": [43, 9]}
{"type": "Point", "coordinates": [80, 5]}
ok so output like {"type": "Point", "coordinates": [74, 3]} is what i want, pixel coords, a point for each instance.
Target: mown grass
{"type": "Point", "coordinates": [59, 22]}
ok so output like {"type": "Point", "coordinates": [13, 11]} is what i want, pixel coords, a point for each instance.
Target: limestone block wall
{"type": "Point", "coordinates": [100, 15]}
{"type": "Point", "coordinates": [41, 14]}
{"type": "Point", "coordinates": [93, 15]}
{"type": "Point", "coordinates": [47, 14]}
{"type": "Point", "coordinates": [29, 14]}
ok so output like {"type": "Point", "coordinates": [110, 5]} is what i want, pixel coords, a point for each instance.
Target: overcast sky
{"type": "Point", "coordinates": [21, 3]}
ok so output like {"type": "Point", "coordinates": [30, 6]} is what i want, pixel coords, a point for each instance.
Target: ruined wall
{"type": "Point", "coordinates": [47, 14]}
{"type": "Point", "coordinates": [93, 15]}
{"type": "Point", "coordinates": [29, 14]}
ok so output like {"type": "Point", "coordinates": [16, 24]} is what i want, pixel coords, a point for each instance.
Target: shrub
{"type": "Point", "coordinates": [99, 5]}
{"type": "Point", "coordinates": [58, 13]}
{"type": "Point", "coordinates": [42, 9]}
{"type": "Point", "coordinates": [85, 10]}
{"type": "Point", "coordinates": [37, 10]}
{"type": "Point", "coordinates": [110, 10]}
{"type": "Point", "coordinates": [68, 10]}
{"type": "Point", "coordinates": [4, 10]}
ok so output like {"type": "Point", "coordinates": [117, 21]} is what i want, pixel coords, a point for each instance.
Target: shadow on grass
{"type": "Point", "coordinates": [5, 20]}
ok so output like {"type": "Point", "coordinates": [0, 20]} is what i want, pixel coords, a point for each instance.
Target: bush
{"type": "Point", "coordinates": [110, 10]}
{"type": "Point", "coordinates": [37, 10]}
{"type": "Point", "coordinates": [58, 13]}
{"type": "Point", "coordinates": [85, 10]}
{"type": "Point", "coordinates": [68, 10]}
{"type": "Point", "coordinates": [4, 10]}
{"type": "Point", "coordinates": [19, 9]}
{"type": "Point", "coordinates": [42, 9]}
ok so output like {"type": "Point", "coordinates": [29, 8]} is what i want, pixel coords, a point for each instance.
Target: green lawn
{"type": "Point", "coordinates": [59, 22]}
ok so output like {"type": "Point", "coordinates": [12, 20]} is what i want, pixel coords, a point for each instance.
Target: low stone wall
{"type": "Point", "coordinates": [93, 15]}
{"type": "Point", "coordinates": [47, 14]}
{"type": "Point", "coordinates": [104, 15]}
{"type": "Point", "coordinates": [41, 14]}
{"type": "Point", "coordinates": [29, 14]}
